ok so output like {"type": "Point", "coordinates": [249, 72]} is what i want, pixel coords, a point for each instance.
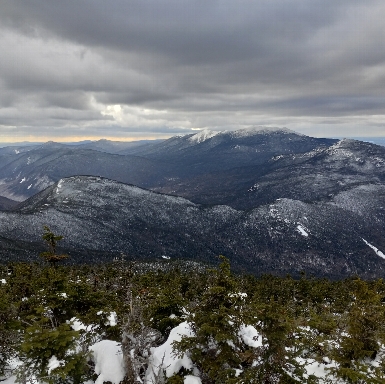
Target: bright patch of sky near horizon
{"type": "Point", "coordinates": [135, 70]}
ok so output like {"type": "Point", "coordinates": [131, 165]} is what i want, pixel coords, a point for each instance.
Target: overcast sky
{"type": "Point", "coordinates": [129, 69]}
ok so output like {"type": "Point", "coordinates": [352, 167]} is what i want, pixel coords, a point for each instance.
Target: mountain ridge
{"type": "Point", "coordinates": [270, 200]}
{"type": "Point", "coordinates": [160, 166]}
{"type": "Point", "coordinates": [100, 219]}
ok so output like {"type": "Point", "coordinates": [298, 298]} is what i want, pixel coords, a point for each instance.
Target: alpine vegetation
{"type": "Point", "coordinates": [168, 322]}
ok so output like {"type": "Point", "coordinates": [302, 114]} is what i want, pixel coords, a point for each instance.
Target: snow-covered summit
{"type": "Point", "coordinates": [206, 134]}
{"type": "Point", "coordinates": [245, 132]}
{"type": "Point", "coordinates": [203, 135]}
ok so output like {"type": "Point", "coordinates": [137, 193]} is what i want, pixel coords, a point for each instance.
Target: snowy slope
{"type": "Point", "coordinates": [100, 218]}
{"type": "Point", "coordinates": [202, 136]}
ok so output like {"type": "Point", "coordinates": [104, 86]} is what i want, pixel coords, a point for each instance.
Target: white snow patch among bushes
{"type": "Point", "coordinates": [112, 319]}
{"type": "Point", "coordinates": [192, 380]}
{"type": "Point", "coordinates": [77, 325]}
{"type": "Point", "coordinates": [163, 357]}
{"type": "Point", "coordinates": [54, 363]}
{"type": "Point", "coordinates": [250, 336]}
{"type": "Point", "coordinates": [108, 359]}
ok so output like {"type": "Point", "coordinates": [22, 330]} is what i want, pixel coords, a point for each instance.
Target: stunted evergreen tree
{"type": "Point", "coordinates": [51, 240]}
{"type": "Point", "coordinates": [216, 318]}
{"type": "Point", "coordinates": [44, 343]}
{"type": "Point", "coordinates": [137, 341]}
{"type": "Point", "coordinates": [360, 334]}
{"type": "Point", "coordinates": [9, 337]}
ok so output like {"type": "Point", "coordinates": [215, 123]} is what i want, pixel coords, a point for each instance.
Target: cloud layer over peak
{"type": "Point", "coordinates": [137, 68]}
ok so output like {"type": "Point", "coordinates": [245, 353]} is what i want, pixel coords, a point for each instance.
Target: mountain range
{"type": "Point", "coordinates": [192, 166]}
{"type": "Point", "coordinates": [271, 200]}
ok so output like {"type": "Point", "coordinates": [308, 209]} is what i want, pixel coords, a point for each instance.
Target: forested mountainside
{"type": "Point", "coordinates": [312, 176]}
{"type": "Point", "coordinates": [243, 169]}
{"type": "Point", "coordinates": [271, 200]}
{"type": "Point", "coordinates": [28, 173]}
{"type": "Point", "coordinates": [100, 219]}
{"type": "Point", "coordinates": [165, 166]}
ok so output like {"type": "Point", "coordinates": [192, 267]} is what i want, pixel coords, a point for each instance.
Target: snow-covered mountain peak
{"type": "Point", "coordinates": [245, 132]}
{"type": "Point", "coordinates": [206, 134]}
{"type": "Point", "coordinates": [203, 135]}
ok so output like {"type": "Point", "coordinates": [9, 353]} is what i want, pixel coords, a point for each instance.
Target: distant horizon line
{"type": "Point", "coordinates": [85, 141]}
{"type": "Point", "coordinates": [122, 140]}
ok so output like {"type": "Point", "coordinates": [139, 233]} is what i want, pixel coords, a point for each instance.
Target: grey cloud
{"type": "Point", "coordinates": [189, 31]}
{"type": "Point", "coordinates": [190, 64]}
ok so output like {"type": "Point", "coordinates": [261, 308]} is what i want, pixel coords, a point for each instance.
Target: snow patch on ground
{"type": "Point", "coordinates": [112, 319]}
{"type": "Point", "coordinates": [378, 252]}
{"type": "Point", "coordinates": [54, 363]}
{"type": "Point", "coordinates": [253, 188]}
{"type": "Point", "coordinates": [77, 325]}
{"type": "Point", "coordinates": [43, 182]}
{"type": "Point", "coordinates": [191, 380]}
{"type": "Point", "coordinates": [162, 357]}
{"type": "Point", "coordinates": [250, 336]}
{"type": "Point", "coordinates": [302, 231]}
{"type": "Point", "coordinates": [59, 185]}
{"type": "Point", "coordinates": [319, 370]}
{"type": "Point", "coordinates": [108, 359]}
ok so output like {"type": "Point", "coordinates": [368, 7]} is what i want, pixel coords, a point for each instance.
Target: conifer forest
{"type": "Point", "coordinates": [176, 322]}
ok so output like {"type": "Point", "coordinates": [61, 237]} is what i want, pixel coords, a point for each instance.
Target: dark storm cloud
{"type": "Point", "coordinates": [158, 66]}
{"type": "Point", "coordinates": [189, 32]}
